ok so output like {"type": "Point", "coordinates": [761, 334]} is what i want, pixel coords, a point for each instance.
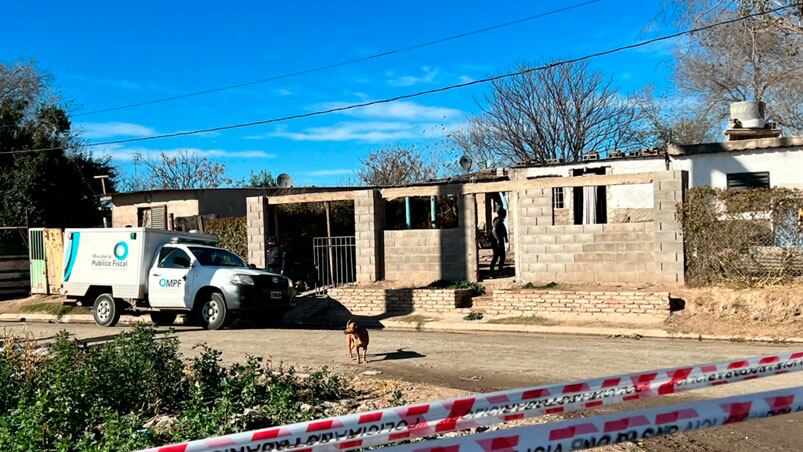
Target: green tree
{"type": "Point", "coordinates": [54, 187]}
{"type": "Point", "coordinates": [262, 179]}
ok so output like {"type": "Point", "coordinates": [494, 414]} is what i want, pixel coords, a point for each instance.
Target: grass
{"type": "Point", "coordinates": [47, 308]}
{"type": "Point", "coordinates": [549, 285]}
{"type": "Point", "coordinates": [523, 320]}
{"type": "Point", "coordinates": [414, 318]}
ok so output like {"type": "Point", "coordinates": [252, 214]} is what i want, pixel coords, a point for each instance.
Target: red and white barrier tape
{"type": "Point", "coordinates": [616, 428]}
{"type": "Point", "coordinates": [400, 423]}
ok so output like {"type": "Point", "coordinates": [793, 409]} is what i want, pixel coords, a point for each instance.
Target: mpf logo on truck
{"type": "Point", "coordinates": [167, 283]}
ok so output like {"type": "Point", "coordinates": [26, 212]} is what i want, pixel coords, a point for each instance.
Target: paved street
{"type": "Point", "coordinates": [481, 362]}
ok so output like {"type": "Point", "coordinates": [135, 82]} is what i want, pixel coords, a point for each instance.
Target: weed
{"type": "Point", "coordinates": [549, 285]}
{"type": "Point", "coordinates": [77, 397]}
{"type": "Point", "coordinates": [473, 316]}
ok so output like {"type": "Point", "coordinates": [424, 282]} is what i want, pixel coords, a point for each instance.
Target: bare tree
{"type": "Point", "coordinates": [183, 170]}
{"type": "Point", "coordinates": [754, 59]}
{"type": "Point", "coordinates": [559, 113]}
{"type": "Point", "coordinates": [696, 12]}
{"type": "Point", "coordinates": [395, 165]}
{"type": "Point", "coordinates": [676, 119]}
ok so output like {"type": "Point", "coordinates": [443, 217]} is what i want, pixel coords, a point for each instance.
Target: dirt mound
{"type": "Point", "coordinates": [768, 312]}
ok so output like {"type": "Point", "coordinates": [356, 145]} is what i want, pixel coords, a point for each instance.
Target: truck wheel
{"type": "Point", "coordinates": [105, 310]}
{"type": "Point", "coordinates": [163, 318]}
{"type": "Point", "coordinates": [213, 312]}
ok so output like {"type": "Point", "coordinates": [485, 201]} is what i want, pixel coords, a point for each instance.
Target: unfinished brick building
{"type": "Point", "coordinates": [593, 243]}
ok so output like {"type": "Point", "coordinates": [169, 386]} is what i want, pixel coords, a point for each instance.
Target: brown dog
{"type": "Point", "coordinates": [356, 338]}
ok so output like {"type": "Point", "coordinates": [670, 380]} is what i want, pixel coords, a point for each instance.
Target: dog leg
{"type": "Point", "coordinates": [349, 345]}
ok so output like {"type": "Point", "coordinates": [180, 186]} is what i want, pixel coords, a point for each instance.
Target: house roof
{"type": "Point", "coordinates": [267, 191]}
{"type": "Point", "coordinates": [734, 146]}
{"type": "Point", "coordinates": [660, 155]}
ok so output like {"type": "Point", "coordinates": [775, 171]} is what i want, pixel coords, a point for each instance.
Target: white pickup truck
{"type": "Point", "coordinates": [166, 273]}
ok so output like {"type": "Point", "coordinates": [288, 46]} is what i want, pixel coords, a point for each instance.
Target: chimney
{"type": "Point", "coordinates": [747, 122]}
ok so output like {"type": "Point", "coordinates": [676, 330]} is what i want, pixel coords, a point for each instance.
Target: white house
{"type": "Point", "coordinates": [745, 163]}
{"type": "Point", "coordinates": [765, 162]}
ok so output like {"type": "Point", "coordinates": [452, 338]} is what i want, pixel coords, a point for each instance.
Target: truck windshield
{"type": "Point", "coordinates": [213, 257]}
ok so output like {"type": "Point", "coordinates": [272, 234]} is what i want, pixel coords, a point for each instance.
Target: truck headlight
{"type": "Point", "coordinates": [243, 280]}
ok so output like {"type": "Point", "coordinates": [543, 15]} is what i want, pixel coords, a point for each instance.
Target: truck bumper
{"type": "Point", "coordinates": [253, 298]}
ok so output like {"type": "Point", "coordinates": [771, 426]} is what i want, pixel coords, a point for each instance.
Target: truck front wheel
{"type": "Point", "coordinates": [105, 310]}
{"type": "Point", "coordinates": [213, 311]}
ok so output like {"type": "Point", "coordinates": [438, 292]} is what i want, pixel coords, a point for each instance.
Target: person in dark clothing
{"type": "Point", "coordinates": [276, 258]}
{"type": "Point", "coordinates": [498, 239]}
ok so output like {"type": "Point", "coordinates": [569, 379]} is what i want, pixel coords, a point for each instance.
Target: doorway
{"type": "Point", "coordinates": [488, 208]}
{"type": "Point", "coordinates": [590, 202]}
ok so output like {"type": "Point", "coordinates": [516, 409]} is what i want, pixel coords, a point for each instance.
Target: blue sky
{"type": "Point", "coordinates": [104, 54]}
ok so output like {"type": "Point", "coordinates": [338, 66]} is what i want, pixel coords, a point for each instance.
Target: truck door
{"type": "Point", "coordinates": [168, 278]}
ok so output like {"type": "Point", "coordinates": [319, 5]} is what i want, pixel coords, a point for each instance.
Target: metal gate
{"type": "Point", "coordinates": [37, 256]}
{"type": "Point", "coordinates": [335, 260]}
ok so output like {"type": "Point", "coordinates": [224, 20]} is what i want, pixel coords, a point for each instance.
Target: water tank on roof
{"type": "Point", "coordinates": [749, 114]}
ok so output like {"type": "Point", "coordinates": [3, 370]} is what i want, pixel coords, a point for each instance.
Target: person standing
{"type": "Point", "coordinates": [276, 257]}
{"type": "Point", "coordinates": [498, 239]}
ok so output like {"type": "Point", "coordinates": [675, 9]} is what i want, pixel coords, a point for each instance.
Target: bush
{"type": "Point", "coordinates": [78, 397]}
{"type": "Point", "coordinates": [475, 287]}
{"type": "Point", "coordinates": [742, 237]}
{"type": "Point", "coordinates": [232, 234]}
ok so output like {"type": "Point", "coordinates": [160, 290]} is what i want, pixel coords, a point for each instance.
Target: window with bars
{"type": "Point", "coordinates": [557, 198]}
{"type": "Point", "coordinates": [748, 180]}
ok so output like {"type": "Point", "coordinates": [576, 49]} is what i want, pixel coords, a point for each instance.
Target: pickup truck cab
{"type": "Point", "coordinates": [165, 274]}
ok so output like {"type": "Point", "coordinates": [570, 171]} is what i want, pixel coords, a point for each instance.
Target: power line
{"type": "Point", "coordinates": [424, 92]}
{"type": "Point", "coordinates": [342, 63]}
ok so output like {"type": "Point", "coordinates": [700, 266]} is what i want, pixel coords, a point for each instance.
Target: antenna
{"type": "Point", "coordinates": [284, 181]}
{"type": "Point", "coordinates": [466, 163]}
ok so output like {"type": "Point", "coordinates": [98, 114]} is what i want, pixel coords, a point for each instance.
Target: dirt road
{"type": "Point", "coordinates": [483, 362]}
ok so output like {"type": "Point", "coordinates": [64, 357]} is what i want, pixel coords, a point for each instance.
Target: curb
{"type": "Point", "coordinates": [450, 327]}
{"type": "Point", "coordinates": [454, 327]}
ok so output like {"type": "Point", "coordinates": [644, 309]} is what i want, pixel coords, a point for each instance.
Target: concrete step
{"type": "Point", "coordinates": [498, 283]}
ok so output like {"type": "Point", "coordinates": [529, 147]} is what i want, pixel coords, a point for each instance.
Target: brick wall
{"type": "Point", "coordinates": [639, 307]}
{"type": "Point", "coordinates": [257, 219]}
{"type": "Point", "coordinates": [635, 252]}
{"type": "Point", "coordinates": [371, 301]}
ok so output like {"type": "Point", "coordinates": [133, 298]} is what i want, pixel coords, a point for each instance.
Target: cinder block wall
{"type": "Point", "coordinates": [424, 255]}
{"type": "Point", "coordinates": [368, 228]}
{"type": "Point", "coordinates": [644, 252]}
{"type": "Point", "coordinates": [257, 219]}
{"type": "Point", "coordinates": [421, 256]}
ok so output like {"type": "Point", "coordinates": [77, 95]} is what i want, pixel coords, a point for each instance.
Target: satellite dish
{"type": "Point", "coordinates": [466, 163]}
{"type": "Point", "coordinates": [284, 180]}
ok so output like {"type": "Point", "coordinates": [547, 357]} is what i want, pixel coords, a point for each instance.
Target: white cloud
{"type": "Point", "coordinates": [465, 79]}
{"type": "Point", "coordinates": [122, 153]}
{"type": "Point", "coordinates": [427, 75]}
{"type": "Point", "coordinates": [330, 172]}
{"type": "Point", "coordinates": [406, 110]}
{"type": "Point", "coordinates": [367, 131]}
{"type": "Point", "coordinates": [284, 92]}
{"type": "Point", "coordinates": [113, 129]}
